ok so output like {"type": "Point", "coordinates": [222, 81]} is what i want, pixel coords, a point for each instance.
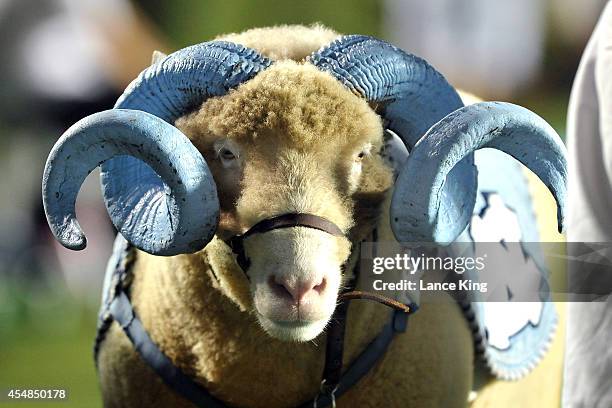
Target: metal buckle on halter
{"type": "Point", "coordinates": [326, 390]}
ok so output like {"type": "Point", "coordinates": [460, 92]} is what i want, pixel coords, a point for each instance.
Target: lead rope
{"type": "Point", "coordinates": [358, 294]}
{"type": "Point", "coordinates": [332, 372]}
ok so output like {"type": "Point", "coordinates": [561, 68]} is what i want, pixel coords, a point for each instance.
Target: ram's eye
{"type": "Point", "coordinates": [226, 154]}
{"type": "Point", "coordinates": [364, 152]}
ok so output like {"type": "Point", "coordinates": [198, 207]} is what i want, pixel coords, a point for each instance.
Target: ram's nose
{"type": "Point", "coordinates": [298, 291]}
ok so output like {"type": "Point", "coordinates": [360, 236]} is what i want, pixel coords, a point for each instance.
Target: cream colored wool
{"type": "Point", "coordinates": [208, 336]}
{"type": "Point", "coordinates": [297, 129]}
{"type": "Point", "coordinates": [294, 42]}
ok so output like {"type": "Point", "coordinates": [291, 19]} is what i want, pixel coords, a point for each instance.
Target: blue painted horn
{"type": "Point", "coordinates": [435, 191]}
{"type": "Point", "coordinates": [157, 187]}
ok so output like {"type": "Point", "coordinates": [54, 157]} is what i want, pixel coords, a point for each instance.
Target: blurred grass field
{"type": "Point", "coordinates": [46, 342]}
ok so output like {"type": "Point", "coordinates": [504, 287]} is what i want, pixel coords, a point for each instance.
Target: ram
{"type": "Point", "coordinates": [255, 165]}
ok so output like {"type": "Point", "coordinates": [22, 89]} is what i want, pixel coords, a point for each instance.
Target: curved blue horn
{"type": "Point", "coordinates": [419, 209]}
{"type": "Point", "coordinates": [165, 221]}
{"type": "Point", "coordinates": [412, 96]}
{"type": "Point", "coordinates": [412, 93]}
{"type": "Point", "coordinates": [186, 78]}
{"type": "Point", "coordinates": [151, 210]}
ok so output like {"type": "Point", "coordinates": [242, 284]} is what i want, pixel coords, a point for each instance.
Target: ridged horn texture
{"type": "Point", "coordinates": [414, 96]}
{"type": "Point", "coordinates": [420, 212]}
{"type": "Point", "coordinates": [155, 212]}
{"type": "Point", "coordinates": [164, 215]}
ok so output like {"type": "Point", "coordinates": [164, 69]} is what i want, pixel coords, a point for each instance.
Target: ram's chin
{"type": "Point", "coordinates": [299, 331]}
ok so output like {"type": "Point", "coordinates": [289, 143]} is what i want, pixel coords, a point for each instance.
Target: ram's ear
{"type": "Point", "coordinates": [157, 56]}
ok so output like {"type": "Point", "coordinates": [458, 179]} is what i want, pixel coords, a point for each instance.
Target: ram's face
{"type": "Point", "coordinates": [293, 140]}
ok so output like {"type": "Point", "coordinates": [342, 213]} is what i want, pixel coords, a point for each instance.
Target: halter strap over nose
{"type": "Point", "coordinates": [289, 220]}
{"type": "Point", "coordinates": [295, 220]}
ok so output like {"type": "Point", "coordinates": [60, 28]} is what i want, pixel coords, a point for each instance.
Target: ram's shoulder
{"type": "Point", "coordinates": [280, 42]}
{"type": "Point", "coordinates": [126, 380]}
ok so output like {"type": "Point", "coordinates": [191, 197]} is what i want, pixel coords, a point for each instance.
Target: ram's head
{"type": "Point", "coordinates": [288, 152]}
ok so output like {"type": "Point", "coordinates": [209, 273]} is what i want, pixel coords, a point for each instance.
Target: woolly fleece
{"type": "Point", "coordinates": [197, 307]}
